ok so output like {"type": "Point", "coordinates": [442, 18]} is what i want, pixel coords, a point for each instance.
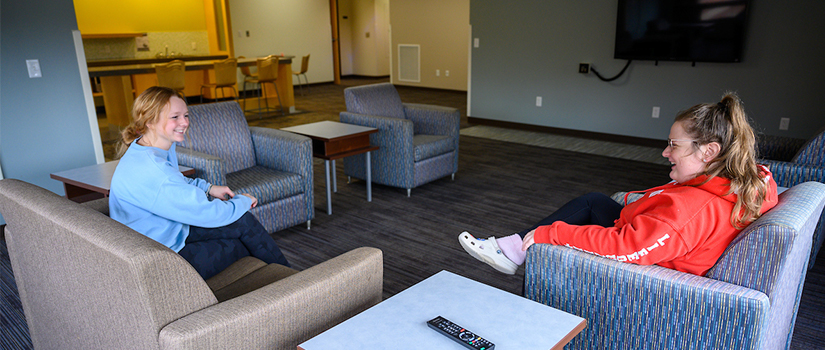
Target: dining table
{"type": "Point", "coordinates": [116, 81]}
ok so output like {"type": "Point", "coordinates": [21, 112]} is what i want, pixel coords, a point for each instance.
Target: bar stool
{"type": "Point", "coordinates": [171, 75]}
{"type": "Point", "coordinates": [303, 71]}
{"type": "Point", "coordinates": [247, 76]}
{"type": "Point", "coordinates": [267, 73]}
{"type": "Point", "coordinates": [226, 76]}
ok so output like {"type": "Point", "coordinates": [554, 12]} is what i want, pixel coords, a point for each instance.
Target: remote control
{"type": "Point", "coordinates": [459, 334]}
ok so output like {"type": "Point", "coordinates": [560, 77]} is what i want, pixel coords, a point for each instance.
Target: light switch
{"type": "Point", "coordinates": [34, 68]}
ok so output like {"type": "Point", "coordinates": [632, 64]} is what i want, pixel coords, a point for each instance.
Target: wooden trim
{"type": "Point", "coordinates": [336, 46]}
{"type": "Point", "coordinates": [631, 140]}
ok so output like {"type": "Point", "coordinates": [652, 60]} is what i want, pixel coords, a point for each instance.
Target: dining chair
{"type": "Point", "coordinates": [225, 77]}
{"type": "Point", "coordinates": [303, 71]}
{"type": "Point", "coordinates": [171, 75]}
{"type": "Point", "coordinates": [267, 74]}
{"type": "Point", "coordinates": [247, 75]}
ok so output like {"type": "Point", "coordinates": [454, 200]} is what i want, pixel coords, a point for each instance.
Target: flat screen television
{"type": "Point", "coordinates": [681, 30]}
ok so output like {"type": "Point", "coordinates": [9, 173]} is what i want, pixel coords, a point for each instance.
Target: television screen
{"type": "Point", "coordinates": [681, 30]}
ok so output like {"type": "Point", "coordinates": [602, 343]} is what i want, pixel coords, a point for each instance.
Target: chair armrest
{"type": "Point", "coordinates": [433, 120]}
{"type": "Point", "coordinates": [395, 136]}
{"type": "Point", "coordinates": [207, 167]}
{"type": "Point", "coordinates": [789, 174]}
{"type": "Point", "coordinates": [282, 150]}
{"type": "Point", "coordinates": [644, 306]}
{"type": "Point", "coordinates": [285, 313]}
{"type": "Point", "coordinates": [619, 197]}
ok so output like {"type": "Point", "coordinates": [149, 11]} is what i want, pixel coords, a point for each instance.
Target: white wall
{"type": "Point", "coordinates": [370, 37]}
{"type": "Point", "coordinates": [345, 35]}
{"type": "Point", "coordinates": [282, 26]}
{"type": "Point", "coordinates": [441, 29]}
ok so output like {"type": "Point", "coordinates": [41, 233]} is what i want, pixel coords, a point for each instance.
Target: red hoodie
{"type": "Point", "coordinates": [685, 227]}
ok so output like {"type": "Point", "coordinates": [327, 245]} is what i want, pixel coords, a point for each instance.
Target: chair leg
{"type": "Point", "coordinates": [299, 84]}
{"type": "Point", "coordinates": [283, 112]}
{"type": "Point", "coordinates": [266, 99]}
{"type": "Point", "coordinates": [452, 176]}
{"type": "Point", "coordinates": [408, 192]}
{"type": "Point", "coordinates": [309, 222]}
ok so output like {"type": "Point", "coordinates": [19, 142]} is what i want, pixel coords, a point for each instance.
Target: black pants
{"type": "Point", "coordinates": [589, 209]}
{"type": "Point", "coordinates": [211, 250]}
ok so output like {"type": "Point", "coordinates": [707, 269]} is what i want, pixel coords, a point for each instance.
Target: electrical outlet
{"type": "Point", "coordinates": [438, 72]}
{"type": "Point", "coordinates": [784, 123]}
{"type": "Point", "coordinates": [447, 73]}
{"type": "Point", "coordinates": [194, 46]}
{"type": "Point", "coordinates": [655, 113]}
{"type": "Point", "coordinates": [475, 42]}
{"type": "Point", "coordinates": [538, 101]}
{"type": "Point", "coordinates": [584, 68]}
{"type": "Point", "coordinates": [34, 68]}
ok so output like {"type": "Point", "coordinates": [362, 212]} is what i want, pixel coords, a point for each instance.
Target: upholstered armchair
{"type": "Point", "coordinates": [794, 161]}
{"type": "Point", "coordinates": [88, 282]}
{"type": "Point", "coordinates": [748, 300]}
{"type": "Point", "coordinates": [273, 166]}
{"type": "Point", "coordinates": [418, 143]}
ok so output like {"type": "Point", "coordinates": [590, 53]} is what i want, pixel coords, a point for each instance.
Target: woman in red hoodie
{"type": "Point", "coordinates": [717, 190]}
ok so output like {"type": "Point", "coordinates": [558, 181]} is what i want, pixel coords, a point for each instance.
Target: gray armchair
{"type": "Point", "coordinates": [748, 300]}
{"type": "Point", "coordinates": [792, 162]}
{"type": "Point", "coordinates": [88, 282]}
{"type": "Point", "coordinates": [418, 143]}
{"type": "Point", "coordinates": [272, 165]}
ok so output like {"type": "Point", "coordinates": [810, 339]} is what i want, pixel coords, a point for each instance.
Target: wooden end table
{"type": "Point", "coordinates": [333, 140]}
{"type": "Point", "coordinates": [93, 182]}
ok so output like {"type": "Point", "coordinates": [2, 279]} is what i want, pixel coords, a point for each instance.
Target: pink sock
{"type": "Point", "coordinates": [511, 247]}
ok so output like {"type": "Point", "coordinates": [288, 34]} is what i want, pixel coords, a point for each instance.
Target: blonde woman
{"type": "Point", "coordinates": [717, 190]}
{"type": "Point", "coordinates": [150, 195]}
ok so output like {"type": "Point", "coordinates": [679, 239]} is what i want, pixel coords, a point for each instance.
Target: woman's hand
{"type": "Point", "coordinates": [254, 200]}
{"type": "Point", "coordinates": [221, 192]}
{"type": "Point", "coordinates": [528, 240]}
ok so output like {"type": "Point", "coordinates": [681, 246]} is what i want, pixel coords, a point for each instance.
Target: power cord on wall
{"type": "Point", "coordinates": [613, 78]}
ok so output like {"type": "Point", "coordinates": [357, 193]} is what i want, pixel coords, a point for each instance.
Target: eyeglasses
{"type": "Point", "coordinates": [670, 141]}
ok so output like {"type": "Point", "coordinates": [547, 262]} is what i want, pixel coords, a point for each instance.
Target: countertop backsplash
{"type": "Point", "coordinates": [159, 43]}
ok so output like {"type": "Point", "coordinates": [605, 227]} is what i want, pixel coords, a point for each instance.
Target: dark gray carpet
{"type": "Point", "coordinates": [500, 188]}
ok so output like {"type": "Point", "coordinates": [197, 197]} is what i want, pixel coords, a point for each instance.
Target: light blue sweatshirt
{"type": "Point", "coordinates": [150, 195]}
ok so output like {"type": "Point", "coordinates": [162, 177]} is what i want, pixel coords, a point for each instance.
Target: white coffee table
{"type": "Point", "coordinates": [400, 322]}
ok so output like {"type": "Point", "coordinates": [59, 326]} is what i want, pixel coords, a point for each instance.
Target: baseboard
{"type": "Point", "coordinates": [630, 140]}
{"type": "Point", "coordinates": [370, 77]}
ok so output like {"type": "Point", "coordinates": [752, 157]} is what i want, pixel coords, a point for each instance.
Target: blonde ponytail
{"type": "Point", "coordinates": [725, 122]}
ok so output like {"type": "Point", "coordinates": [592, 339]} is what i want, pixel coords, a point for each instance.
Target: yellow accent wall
{"type": "Point", "coordinates": [129, 16]}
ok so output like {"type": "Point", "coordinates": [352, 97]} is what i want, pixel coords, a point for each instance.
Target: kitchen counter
{"type": "Point", "coordinates": [128, 61]}
{"type": "Point", "coordinates": [118, 82]}
{"type": "Point", "coordinates": [147, 67]}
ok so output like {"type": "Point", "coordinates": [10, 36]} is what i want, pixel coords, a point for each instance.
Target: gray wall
{"type": "Point", "coordinates": [530, 48]}
{"type": "Point", "coordinates": [44, 123]}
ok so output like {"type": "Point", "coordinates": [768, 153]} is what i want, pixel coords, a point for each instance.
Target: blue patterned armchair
{"type": "Point", "coordinates": [418, 143]}
{"type": "Point", "coordinates": [748, 300]}
{"type": "Point", "coordinates": [794, 161]}
{"type": "Point", "coordinates": [272, 165]}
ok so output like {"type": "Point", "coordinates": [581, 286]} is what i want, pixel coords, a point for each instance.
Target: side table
{"type": "Point", "coordinates": [333, 140]}
{"type": "Point", "coordinates": [93, 182]}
